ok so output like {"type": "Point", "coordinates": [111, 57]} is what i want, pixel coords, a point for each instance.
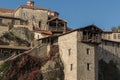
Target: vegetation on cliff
{"type": "Point", "coordinates": [28, 67]}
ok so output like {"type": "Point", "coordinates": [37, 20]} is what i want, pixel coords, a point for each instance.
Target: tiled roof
{"type": "Point", "coordinates": [57, 18]}
{"type": "Point", "coordinates": [43, 32]}
{"type": "Point", "coordinates": [6, 10]}
{"type": "Point", "coordinates": [52, 36]}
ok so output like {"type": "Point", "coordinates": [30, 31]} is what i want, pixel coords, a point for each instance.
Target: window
{"type": "Point", "coordinates": [40, 24]}
{"type": "Point", "coordinates": [113, 44]}
{"type": "Point", "coordinates": [69, 52]}
{"type": "Point", "coordinates": [103, 35]}
{"type": "Point", "coordinates": [118, 45]}
{"type": "Point", "coordinates": [88, 66]}
{"type": "Point", "coordinates": [88, 51]}
{"type": "Point", "coordinates": [71, 67]}
{"type": "Point", "coordinates": [60, 24]}
{"type": "Point", "coordinates": [118, 36]}
{"type": "Point", "coordinates": [38, 37]}
{"type": "Point", "coordinates": [52, 23]}
{"type": "Point", "coordinates": [108, 37]}
{"type": "Point", "coordinates": [105, 43]}
{"type": "Point", "coordinates": [13, 22]}
{"type": "Point", "coordinates": [0, 21]}
{"type": "Point", "coordinates": [114, 36]}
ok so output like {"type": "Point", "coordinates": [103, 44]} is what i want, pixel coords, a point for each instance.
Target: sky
{"type": "Point", "coordinates": [78, 13]}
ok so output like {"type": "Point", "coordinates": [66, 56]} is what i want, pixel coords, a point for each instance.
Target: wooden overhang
{"type": "Point", "coordinates": [83, 28]}
{"type": "Point", "coordinates": [90, 34]}
{"type": "Point", "coordinates": [43, 32]}
{"type": "Point", "coordinates": [92, 28]}
{"type": "Point", "coordinates": [57, 18]}
{"type": "Point", "coordinates": [50, 39]}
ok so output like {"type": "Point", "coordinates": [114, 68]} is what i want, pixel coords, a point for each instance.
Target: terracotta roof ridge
{"type": "Point", "coordinates": [6, 10]}
{"type": "Point", "coordinates": [43, 31]}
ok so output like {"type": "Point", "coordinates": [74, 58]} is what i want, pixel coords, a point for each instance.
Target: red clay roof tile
{"type": "Point", "coordinates": [43, 32]}
{"type": "Point", "coordinates": [6, 10]}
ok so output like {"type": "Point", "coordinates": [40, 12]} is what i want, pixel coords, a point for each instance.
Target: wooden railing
{"type": "Point", "coordinates": [92, 39]}
{"type": "Point", "coordinates": [54, 28]}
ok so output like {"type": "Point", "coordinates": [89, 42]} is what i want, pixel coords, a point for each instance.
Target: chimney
{"type": "Point", "coordinates": [30, 3]}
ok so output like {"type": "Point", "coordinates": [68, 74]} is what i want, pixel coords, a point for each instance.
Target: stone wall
{"type": "Point", "coordinates": [113, 36]}
{"type": "Point", "coordinates": [3, 29]}
{"type": "Point", "coordinates": [109, 51]}
{"type": "Point", "coordinates": [38, 35]}
{"type": "Point", "coordinates": [86, 61]}
{"type": "Point", "coordinates": [79, 58]}
{"type": "Point", "coordinates": [68, 53]}
{"type": "Point", "coordinates": [34, 17]}
{"type": "Point", "coordinates": [6, 21]}
{"type": "Point", "coordinates": [7, 14]}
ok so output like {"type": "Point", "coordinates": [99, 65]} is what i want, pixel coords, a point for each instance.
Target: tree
{"type": "Point", "coordinates": [114, 29]}
{"type": "Point", "coordinates": [118, 29]}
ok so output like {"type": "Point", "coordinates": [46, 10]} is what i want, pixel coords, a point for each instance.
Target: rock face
{"type": "Point", "coordinates": [53, 68]}
{"type": "Point", "coordinates": [22, 33]}
{"type": "Point", "coordinates": [19, 36]}
{"type": "Point", "coordinates": [29, 67]}
{"type": "Point", "coordinates": [35, 64]}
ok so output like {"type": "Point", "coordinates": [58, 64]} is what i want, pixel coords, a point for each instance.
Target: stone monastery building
{"type": "Point", "coordinates": [33, 17]}
{"type": "Point", "coordinates": [85, 53]}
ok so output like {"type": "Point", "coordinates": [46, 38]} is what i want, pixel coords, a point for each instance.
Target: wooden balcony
{"type": "Point", "coordinates": [93, 39]}
{"type": "Point", "coordinates": [56, 28]}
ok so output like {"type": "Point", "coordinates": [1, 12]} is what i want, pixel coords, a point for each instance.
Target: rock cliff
{"type": "Point", "coordinates": [19, 36]}
{"type": "Point", "coordinates": [35, 64]}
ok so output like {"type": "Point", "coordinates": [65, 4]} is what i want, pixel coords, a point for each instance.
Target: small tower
{"type": "Point", "coordinates": [30, 2]}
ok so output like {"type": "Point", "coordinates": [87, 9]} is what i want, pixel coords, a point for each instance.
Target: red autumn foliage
{"type": "Point", "coordinates": [24, 65]}
{"type": "Point", "coordinates": [33, 74]}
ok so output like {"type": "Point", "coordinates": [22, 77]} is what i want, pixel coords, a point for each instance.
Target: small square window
{"type": "Point", "coordinates": [38, 37]}
{"type": "Point", "coordinates": [114, 36]}
{"type": "Point", "coordinates": [88, 51]}
{"type": "Point", "coordinates": [71, 67]}
{"type": "Point", "coordinates": [118, 45]}
{"type": "Point", "coordinates": [113, 44]}
{"type": "Point", "coordinates": [0, 21]}
{"type": "Point", "coordinates": [88, 66]}
{"type": "Point", "coordinates": [69, 52]}
{"type": "Point", "coordinates": [118, 36]}
{"type": "Point", "coordinates": [105, 43]}
{"type": "Point", "coordinates": [108, 37]}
